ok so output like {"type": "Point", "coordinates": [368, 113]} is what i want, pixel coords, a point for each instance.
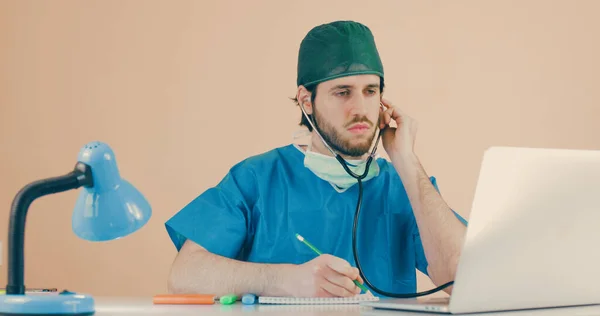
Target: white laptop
{"type": "Point", "coordinates": [533, 239]}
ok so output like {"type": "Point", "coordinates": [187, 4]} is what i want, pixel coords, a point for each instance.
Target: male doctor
{"type": "Point", "coordinates": [239, 236]}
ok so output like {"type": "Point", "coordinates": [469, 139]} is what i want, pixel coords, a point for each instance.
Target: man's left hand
{"type": "Point", "coordinates": [397, 141]}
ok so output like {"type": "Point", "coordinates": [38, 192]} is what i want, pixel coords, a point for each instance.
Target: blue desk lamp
{"type": "Point", "coordinates": [108, 208]}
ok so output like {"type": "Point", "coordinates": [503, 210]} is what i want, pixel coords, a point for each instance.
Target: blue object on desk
{"type": "Point", "coordinates": [107, 208]}
{"type": "Point", "coordinates": [249, 299]}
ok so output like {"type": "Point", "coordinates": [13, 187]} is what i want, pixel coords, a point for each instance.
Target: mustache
{"type": "Point", "coordinates": [362, 119]}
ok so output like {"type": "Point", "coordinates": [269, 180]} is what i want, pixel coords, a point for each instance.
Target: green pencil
{"type": "Point", "coordinates": [320, 253]}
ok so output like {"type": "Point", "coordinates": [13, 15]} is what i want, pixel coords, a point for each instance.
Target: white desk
{"type": "Point", "coordinates": [106, 306]}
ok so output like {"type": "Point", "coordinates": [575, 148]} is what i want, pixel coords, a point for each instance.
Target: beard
{"type": "Point", "coordinates": [338, 142]}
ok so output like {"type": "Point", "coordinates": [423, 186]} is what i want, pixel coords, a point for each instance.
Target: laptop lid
{"type": "Point", "coordinates": [534, 228]}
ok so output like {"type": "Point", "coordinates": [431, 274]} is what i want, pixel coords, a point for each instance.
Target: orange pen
{"type": "Point", "coordinates": [196, 299]}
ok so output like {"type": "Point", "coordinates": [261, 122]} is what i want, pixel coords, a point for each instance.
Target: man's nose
{"type": "Point", "coordinates": [359, 106]}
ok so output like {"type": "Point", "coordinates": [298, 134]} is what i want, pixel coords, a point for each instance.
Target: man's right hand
{"type": "Point", "coordinates": [324, 276]}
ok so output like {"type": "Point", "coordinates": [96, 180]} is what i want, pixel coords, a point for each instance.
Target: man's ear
{"type": "Point", "coordinates": [303, 97]}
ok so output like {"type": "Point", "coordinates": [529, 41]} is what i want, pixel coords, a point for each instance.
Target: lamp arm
{"type": "Point", "coordinates": [80, 176]}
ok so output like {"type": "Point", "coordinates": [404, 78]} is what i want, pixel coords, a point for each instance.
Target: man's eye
{"type": "Point", "coordinates": [372, 92]}
{"type": "Point", "coordinates": [342, 93]}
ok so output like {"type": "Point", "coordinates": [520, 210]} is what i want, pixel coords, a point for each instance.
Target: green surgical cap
{"type": "Point", "coordinates": [337, 49]}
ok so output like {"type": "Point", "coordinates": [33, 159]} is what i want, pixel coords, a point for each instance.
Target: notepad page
{"type": "Point", "coordinates": [317, 300]}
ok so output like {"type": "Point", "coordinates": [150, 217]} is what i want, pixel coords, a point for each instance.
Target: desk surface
{"type": "Point", "coordinates": [106, 306]}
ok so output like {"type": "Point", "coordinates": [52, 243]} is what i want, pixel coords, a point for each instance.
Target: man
{"type": "Point", "coordinates": [239, 236]}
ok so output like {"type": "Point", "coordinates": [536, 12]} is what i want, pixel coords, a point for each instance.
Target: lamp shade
{"type": "Point", "coordinates": [111, 208]}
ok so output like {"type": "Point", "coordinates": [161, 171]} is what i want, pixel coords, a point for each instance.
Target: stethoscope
{"type": "Point", "coordinates": [359, 178]}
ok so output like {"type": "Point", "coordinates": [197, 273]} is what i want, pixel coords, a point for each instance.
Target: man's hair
{"type": "Point", "coordinates": [313, 94]}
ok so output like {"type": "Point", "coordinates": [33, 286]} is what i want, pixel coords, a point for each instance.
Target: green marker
{"type": "Point", "coordinates": [320, 253]}
{"type": "Point", "coordinates": [228, 299]}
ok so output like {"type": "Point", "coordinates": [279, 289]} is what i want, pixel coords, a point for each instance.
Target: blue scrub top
{"type": "Point", "coordinates": [254, 213]}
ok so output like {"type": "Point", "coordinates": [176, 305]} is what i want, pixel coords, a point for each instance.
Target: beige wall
{"type": "Point", "coordinates": [183, 90]}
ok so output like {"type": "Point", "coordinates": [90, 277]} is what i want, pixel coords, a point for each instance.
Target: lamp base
{"type": "Point", "coordinates": [65, 303]}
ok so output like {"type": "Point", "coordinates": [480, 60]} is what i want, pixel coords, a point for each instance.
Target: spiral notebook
{"type": "Point", "coordinates": [317, 300]}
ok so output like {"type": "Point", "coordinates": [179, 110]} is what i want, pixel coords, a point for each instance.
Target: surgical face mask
{"type": "Point", "coordinates": [330, 170]}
